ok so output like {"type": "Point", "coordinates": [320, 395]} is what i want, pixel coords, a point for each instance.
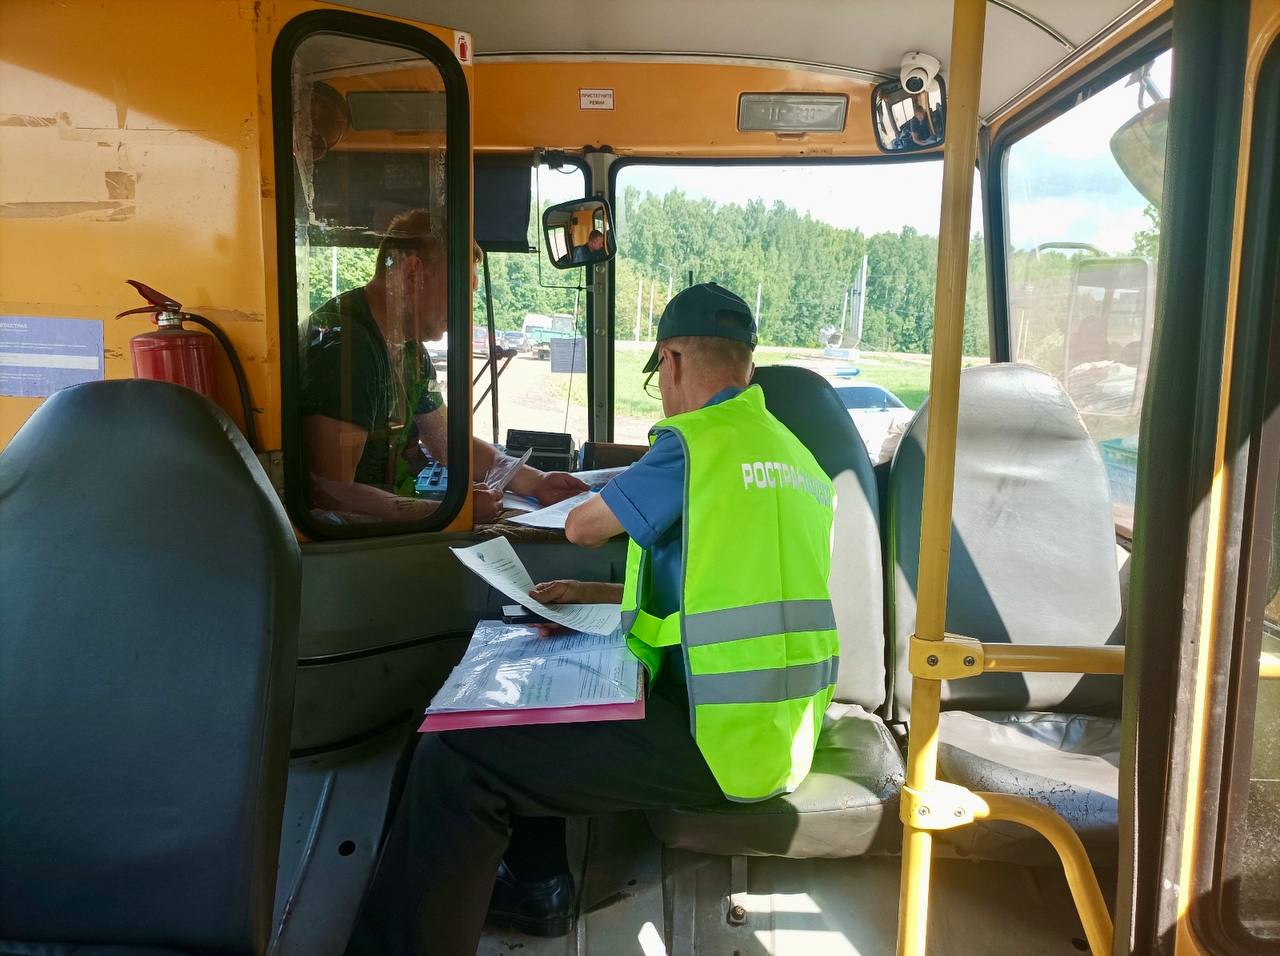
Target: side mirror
{"type": "Point", "coordinates": [904, 121]}
{"type": "Point", "coordinates": [1139, 149]}
{"type": "Point", "coordinates": [579, 233]}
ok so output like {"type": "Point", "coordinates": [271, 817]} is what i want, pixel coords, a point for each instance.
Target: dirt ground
{"type": "Point", "coordinates": [531, 397]}
{"type": "Point", "coordinates": [527, 399]}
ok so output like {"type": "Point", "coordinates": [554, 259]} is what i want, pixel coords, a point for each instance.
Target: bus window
{"type": "Point", "coordinates": [838, 261]}
{"type": "Point", "coordinates": [540, 321]}
{"type": "Point", "coordinates": [1083, 200]}
{"type": "Point", "coordinates": [371, 243]}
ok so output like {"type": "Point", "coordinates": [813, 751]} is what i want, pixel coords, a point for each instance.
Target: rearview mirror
{"type": "Point", "coordinates": [579, 233]}
{"type": "Point", "coordinates": [904, 121]}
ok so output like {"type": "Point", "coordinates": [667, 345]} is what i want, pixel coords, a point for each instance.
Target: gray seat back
{"type": "Point", "coordinates": [809, 407]}
{"type": "Point", "coordinates": [148, 641]}
{"type": "Point", "coordinates": [1033, 553]}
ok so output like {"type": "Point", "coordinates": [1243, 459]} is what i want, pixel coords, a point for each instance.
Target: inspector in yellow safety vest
{"type": "Point", "coordinates": [755, 618]}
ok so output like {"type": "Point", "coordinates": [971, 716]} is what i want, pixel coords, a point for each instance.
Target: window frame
{"type": "Point", "coordinates": [458, 153]}
{"type": "Point", "coordinates": [1253, 456]}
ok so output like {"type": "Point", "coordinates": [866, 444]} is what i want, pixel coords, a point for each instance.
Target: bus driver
{"type": "Point", "coordinates": [364, 367]}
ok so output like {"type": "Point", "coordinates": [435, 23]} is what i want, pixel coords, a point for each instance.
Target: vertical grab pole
{"type": "Point", "coordinates": [959, 154]}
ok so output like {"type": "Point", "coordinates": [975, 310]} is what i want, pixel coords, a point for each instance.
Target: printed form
{"type": "Point", "coordinates": [553, 516]}
{"type": "Point", "coordinates": [497, 562]}
{"type": "Point", "coordinates": [509, 666]}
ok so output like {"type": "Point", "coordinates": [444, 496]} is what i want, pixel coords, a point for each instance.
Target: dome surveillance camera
{"type": "Point", "coordinates": [918, 71]}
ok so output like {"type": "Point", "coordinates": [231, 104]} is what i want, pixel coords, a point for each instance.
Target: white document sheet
{"type": "Point", "coordinates": [497, 562]}
{"type": "Point", "coordinates": [513, 502]}
{"type": "Point", "coordinates": [597, 479]}
{"type": "Point", "coordinates": [504, 469]}
{"type": "Point", "coordinates": [510, 665]}
{"type": "Point", "coordinates": [553, 516]}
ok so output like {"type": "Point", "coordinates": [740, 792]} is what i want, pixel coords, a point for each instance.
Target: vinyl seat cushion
{"type": "Point", "coordinates": [846, 806]}
{"type": "Point", "coordinates": [1068, 762]}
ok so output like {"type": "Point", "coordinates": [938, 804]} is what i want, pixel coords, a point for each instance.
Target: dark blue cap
{"type": "Point", "coordinates": [705, 309]}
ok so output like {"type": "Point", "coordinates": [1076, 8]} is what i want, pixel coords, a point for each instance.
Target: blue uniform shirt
{"type": "Point", "coordinates": [648, 501]}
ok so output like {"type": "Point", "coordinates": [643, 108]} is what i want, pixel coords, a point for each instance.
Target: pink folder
{"type": "Point", "coordinates": [468, 719]}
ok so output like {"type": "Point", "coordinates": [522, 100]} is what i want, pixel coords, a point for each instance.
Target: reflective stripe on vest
{"type": "Point", "coordinates": [777, 617]}
{"type": "Point", "coordinates": [755, 620]}
{"type": "Point", "coordinates": [766, 686]}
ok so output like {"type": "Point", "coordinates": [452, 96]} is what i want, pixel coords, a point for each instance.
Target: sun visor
{"type": "Point", "coordinates": [503, 194]}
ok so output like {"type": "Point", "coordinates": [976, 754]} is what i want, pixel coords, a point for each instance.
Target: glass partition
{"type": "Point", "coordinates": [371, 242]}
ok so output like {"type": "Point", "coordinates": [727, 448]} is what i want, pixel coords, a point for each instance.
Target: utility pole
{"type": "Point", "coordinates": [844, 311]}
{"type": "Point", "coordinates": [669, 277]}
{"type": "Point", "coordinates": [862, 304]}
{"type": "Point", "coordinates": [333, 271]}
{"type": "Point", "coordinates": [639, 299]}
{"type": "Point", "coordinates": [652, 283]}
{"type": "Point", "coordinates": [759, 288]}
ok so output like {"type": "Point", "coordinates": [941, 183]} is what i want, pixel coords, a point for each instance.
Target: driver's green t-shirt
{"type": "Point", "coordinates": [346, 372]}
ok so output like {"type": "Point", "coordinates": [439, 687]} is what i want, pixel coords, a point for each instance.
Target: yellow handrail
{"type": "Point", "coordinates": [1023, 658]}
{"type": "Point", "coordinates": [960, 153]}
{"type": "Point", "coordinates": [1075, 862]}
{"type": "Point", "coordinates": [1269, 667]}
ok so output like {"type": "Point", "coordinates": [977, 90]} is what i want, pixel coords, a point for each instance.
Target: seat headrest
{"type": "Point", "coordinates": [810, 408]}
{"type": "Point", "coordinates": [812, 411]}
{"type": "Point", "coordinates": [1033, 553]}
{"type": "Point", "coordinates": [149, 637]}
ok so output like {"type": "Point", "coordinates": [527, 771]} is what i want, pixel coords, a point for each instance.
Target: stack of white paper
{"type": "Point", "coordinates": [509, 666]}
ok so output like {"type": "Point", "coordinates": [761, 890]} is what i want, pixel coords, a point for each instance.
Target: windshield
{"type": "Point", "coordinates": [838, 262]}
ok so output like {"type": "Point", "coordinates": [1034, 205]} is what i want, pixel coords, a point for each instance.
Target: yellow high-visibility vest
{"type": "Point", "coordinates": [755, 620]}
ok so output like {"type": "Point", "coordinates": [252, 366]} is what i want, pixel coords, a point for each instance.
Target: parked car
{"type": "Point", "coordinates": [479, 341]}
{"type": "Point", "coordinates": [878, 414]}
{"type": "Point", "coordinates": [515, 339]}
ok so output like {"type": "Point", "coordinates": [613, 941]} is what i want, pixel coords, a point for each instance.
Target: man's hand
{"type": "Point", "coordinates": [485, 503]}
{"type": "Point", "coordinates": [577, 592]}
{"type": "Point", "coordinates": [553, 486]}
{"type": "Point", "coordinates": [573, 592]}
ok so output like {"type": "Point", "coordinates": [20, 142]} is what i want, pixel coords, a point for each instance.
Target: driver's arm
{"type": "Point", "coordinates": [546, 487]}
{"type": "Point", "coordinates": [334, 448]}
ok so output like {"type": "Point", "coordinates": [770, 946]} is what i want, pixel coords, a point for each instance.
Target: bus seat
{"type": "Point", "coordinates": [149, 638]}
{"type": "Point", "coordinates": [1033, 561]}
{"type": "Point", "coordinates": [848, 804]}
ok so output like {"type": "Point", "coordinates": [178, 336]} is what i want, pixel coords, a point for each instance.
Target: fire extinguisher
{"type": "Point", "coordinates": [182, 356]}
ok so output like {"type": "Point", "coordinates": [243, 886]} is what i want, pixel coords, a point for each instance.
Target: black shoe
{"type": "Point", "coordinates": [539, 908]}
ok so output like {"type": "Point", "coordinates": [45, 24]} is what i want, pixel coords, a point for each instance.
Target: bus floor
{"type": "Point", "coordinates": [676, 904]}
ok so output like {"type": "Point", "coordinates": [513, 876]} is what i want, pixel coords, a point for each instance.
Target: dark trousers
{"type": "Point", "coordinates": [452, 827]}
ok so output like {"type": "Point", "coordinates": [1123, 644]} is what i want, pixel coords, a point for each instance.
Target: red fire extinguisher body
{"type": "Point", "coordinates": [175, 355]}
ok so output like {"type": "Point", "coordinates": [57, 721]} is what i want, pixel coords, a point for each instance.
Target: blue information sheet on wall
{"type": "Point", "coordinates": [39, 355]}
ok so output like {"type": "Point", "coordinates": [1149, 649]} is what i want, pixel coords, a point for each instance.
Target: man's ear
{"type": "Point", "coordinates": [411, 270]}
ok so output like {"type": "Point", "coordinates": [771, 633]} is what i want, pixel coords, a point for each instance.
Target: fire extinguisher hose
{"type": "Point", "coordinates": [246, 404]}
